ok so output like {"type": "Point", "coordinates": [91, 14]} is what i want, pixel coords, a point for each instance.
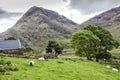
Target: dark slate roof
{"type": "Point", "coordinates": [9, 44]}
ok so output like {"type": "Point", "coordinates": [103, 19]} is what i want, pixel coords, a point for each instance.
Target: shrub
{"type": "Point", "coordinates": [10, 38]}
{"type": "Point", "coordinates": [54, 48]}
{"type": "Point", "coordinates": [15, 69]}
{"type": "Point", "coordinates": [28, 49]}
{"type": "Point", "coordinates": [8, 63]}
{"type": "Point", "coordinates": [2, 62]}
{"type": "Point", "coordinates": [60, 62]}
{"type": "Point", "coordinates": [116, 66]}
{"type": "Point", "coordinates": [8, 68]}
{"type": "Point", "coordinates": [2, 70]}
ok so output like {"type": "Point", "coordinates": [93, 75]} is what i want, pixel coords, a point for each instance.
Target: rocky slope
{"type": "Point", "coordinates": [109, 20]}
{"type": "Point", "coordinates": [38, 25]}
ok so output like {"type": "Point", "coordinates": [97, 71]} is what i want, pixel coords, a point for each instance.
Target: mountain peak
{"type": "Point", "coordinates": [47, 14]}
{"type": "Point", "coordinates": [35, 8]}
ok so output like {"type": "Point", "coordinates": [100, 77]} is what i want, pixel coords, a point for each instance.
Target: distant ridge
{"type": "Point", "coordinates": [109, 20]}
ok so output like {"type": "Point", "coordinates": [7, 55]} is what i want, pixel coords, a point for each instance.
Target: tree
{"type": "Point", "coordinates": [54, 48]}
{"type": "Point", "coordinates": [28, 49]}
{"type": "Point", "coordinates": [106, 41]}
{"type": "Point", "coordinates": [85, 43]}
{"type": "Point", "coordinates": [58, 50]}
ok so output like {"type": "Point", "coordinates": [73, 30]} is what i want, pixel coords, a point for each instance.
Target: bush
{"type": "Point", "coordinates": [2, 62]}
{"type": "Point", "coordinates": [60, 62]}
{"type": "Point", "coordinates": [15, 69]}
{"type": "Point", "coordinates": [116, 66]}
{"type": "Point", "coordinates": [8, 63]}
{"type": "Point", "coordinates": [10, 38]}
{"type": "Point", "coordinates": [54, 48]}
{"type": "Point", "coordinates": [2, 70]}
{"type": "Point", "coordinates": [8, 68]}
{"type": "Point", "coordinates": [28, 49]}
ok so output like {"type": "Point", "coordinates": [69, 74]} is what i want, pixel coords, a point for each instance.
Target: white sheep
{"type": "Point", "coordinates": [107, 66]}
{"type": "Point", "coordinates": [31, 63]}
{"type": "Point", "coordinates": [41, 59]}
{"type": "Point", "coordinates": [114, 69]}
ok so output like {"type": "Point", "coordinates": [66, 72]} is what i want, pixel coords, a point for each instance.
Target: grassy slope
{"type": "Point", "coordinates": [116, 52]}
{"type": "Point", "coordinates": [68, 70]}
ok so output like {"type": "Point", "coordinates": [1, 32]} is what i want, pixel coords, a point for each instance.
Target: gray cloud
{"type": "Point", "coordinates": [2, 11]}
{"type": "Point", "coordinates": [24, 5]}
{"type": "Point", "coordinates": [92, 6]}
{"type": "Point", "coordinates": [5, 14]}
{"type": "Point", "coordinates": [65, 1]}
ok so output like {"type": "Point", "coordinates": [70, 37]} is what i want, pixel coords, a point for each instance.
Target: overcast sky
{"type": "Point", "coordinates": [76, 10]}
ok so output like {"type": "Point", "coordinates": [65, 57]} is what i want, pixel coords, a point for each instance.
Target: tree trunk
{"type": "Point", "coordinates": [97, 59]}
{"type": "Point", "coordinates": [89, 58]}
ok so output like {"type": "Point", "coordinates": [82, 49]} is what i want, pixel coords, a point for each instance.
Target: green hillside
{"type": "Point", "coordinates": [116, 52]}
{"type": "Point", "coordinates": [59, 69]}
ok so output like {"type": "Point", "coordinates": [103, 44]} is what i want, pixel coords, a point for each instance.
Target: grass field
{"type": "Point", "coordinates": [59, 69]}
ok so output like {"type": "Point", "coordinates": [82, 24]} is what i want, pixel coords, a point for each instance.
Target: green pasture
{"type": "Point", "coordinates": [59, 69]}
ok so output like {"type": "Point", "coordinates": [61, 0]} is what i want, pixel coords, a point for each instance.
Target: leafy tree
{"type": "Point", "coordinates": [58, 50]}
{"type": "Point", "coordinates": [106, 41]}
{"type": "Point", "coordinates": [54, 48]}
{"type": "Point", "coordinates": [85, 43]}
{"type": "Point", "coordinates": [93, 41]}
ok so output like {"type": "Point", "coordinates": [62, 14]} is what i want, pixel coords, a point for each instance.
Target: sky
{"type": "Point", "coordinates": [75, 10]}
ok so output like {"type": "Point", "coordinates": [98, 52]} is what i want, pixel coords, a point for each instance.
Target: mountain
{"type": "Point", "coordinates": [39, 25]}
{"type": "Point", "coordinates": [109, 20]}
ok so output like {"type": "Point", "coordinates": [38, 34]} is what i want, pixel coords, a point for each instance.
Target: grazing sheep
{"type": "Point", "coordinates": [114, 69]}
{"type": "Point", "coordinates": [31, 63]}
{"type": "Point", "coordinates": [41, 59]}
{"type": "Point", "coordinates": [107, 66]}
